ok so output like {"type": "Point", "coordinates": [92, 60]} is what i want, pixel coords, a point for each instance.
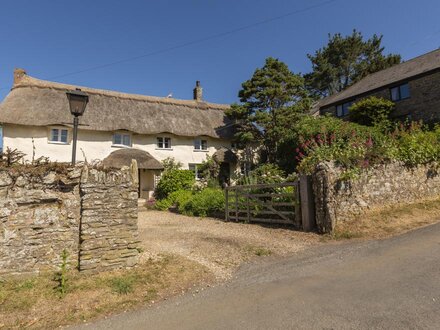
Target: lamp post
{"type": "Point", "coordinates": [77, 101]}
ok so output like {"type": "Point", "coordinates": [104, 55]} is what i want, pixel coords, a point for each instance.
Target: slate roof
{"type": "Point", "coordinates": [400, 72]}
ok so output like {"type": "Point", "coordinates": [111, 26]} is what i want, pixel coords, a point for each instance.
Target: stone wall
{"type": "Point", "coordinates": [384, 185]}
{"type": "Point", "coordinates": [109, 214]}
{"type": "Point", "coordinates": [90, 213]}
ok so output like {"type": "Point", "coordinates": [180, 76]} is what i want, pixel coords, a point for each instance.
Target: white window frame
{"type": "Point", "coordinates": [162, 140]}
{"type": "Point", "coordinates": [59, 135]}
{"type": "Point", "coordinates": [200, 145]}
{"type": "Point", "coordinates": [197, 174]}
{"type": "Point", "coordinates": [122, 144]}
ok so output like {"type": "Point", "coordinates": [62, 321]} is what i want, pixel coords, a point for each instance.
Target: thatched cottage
{"type": "Point", "coordinates": [35, 119]}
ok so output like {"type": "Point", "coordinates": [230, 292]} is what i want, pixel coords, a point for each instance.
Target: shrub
{"type": "Point", "coordinates": [372, 111]}
{"type": "Point", "coordinates": [175, 199]}
{"type": "Point", "coordinates": [209, 201]}
{"type": "Point", "coordinates": [170, 163]}
{"type": "Point", "coordinates": [174, 180]}
{"type": "Point", "coordinates": [354, 146]}
{"type": "Point", "coordinates": [265, 173]}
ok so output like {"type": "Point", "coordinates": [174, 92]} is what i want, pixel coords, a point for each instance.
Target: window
{"type": "Point", "coordinates": [400, 92]}
{"type": "Point", "coordinates": [342, 109]}
{"type": "Point", "coordinates": [164, 143]}
{"type": "Point", "coordinates": [121, 139]}
{"type": "Point", "coordinates": [58, 135]}
{"type": "Point", "coordinates": [200, 144]}
{"type": "Point", "coordinates": [195, 169]}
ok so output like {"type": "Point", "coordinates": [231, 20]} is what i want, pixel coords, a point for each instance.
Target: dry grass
{"type": "Point", "coordinates": [35, 303]}
{"type": "Point", "coordinates": [389, 221]}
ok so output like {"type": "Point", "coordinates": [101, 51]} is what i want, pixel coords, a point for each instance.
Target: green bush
{"type": "Point", "coordinates": [354, 146]}
{"type": "Point", "coordinates": [174, 180]}
{"type": "Point", "coordinates": [175, 199]}
{"type": "Point", "coordinates": [265, 173]}
{"type": "Point", "coordinates": [372, 111]}
{"type": "Point", "coordinates": [209, 201]}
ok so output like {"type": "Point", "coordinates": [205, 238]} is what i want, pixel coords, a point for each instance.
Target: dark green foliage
{"type": "Point", "coordinates": [344, 61]}
{"type": "Point", "coordinates": [175, 199]}
{"type": "Point", "coordinates": [210, 169]}
{"type": "Point", "coordinates": [206, 202]}
{"type": "Point", "coordinates": [174, 180]}
{"type": "Point", "coordinates": [372, 111]}
{"type": "Point", "coordinates": [270, 102]}
{"type": "Point", "coordinates": [355, 146]}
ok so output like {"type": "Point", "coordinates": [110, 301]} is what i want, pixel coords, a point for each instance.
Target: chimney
{"type": "Point", "coordinates": [19, 74]}
{"type": "Point", "coordinates": [197, 92]}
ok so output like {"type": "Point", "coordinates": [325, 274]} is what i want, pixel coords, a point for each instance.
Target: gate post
{"type": "Point", "coordinates": [307, 203]}
{"type": "Point", "coordinates": [226, 201]}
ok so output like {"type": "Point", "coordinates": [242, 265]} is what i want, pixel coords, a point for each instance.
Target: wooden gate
{"type": "Point", "coordinates": [276, 203]}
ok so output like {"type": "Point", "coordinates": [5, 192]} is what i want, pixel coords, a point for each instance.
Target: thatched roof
{"type": "Point", "coordinates": [225, 155]}
{"type": "Point", "coordinates": [42, 103]}
{"type": "Point", "coordinates": [398, 73]}
{"type": "Point", "coordinates": [123, 157]}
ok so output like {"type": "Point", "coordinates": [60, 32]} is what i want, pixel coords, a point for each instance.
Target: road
{"type": "Point", "coordinates": [388, 284]}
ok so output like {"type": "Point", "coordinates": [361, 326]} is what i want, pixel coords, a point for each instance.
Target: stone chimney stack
{"type": "Point", "coordinates": [197, 92]}
{"type": "Point", "coordinates": [19, 74]}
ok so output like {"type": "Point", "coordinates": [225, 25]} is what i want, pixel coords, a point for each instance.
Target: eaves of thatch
{"type": "Point", "coordinates": [37, 102]}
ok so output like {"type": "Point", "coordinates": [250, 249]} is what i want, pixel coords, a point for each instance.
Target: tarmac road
{"type": "Point", "coordinates": [387, 284]}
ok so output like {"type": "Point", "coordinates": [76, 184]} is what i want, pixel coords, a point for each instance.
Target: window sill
{"type": "Point", "coordinates": [167, 149]}
{"type": "Point", "coordinates": [120, 146]}
{"type": "Point", "coordinates": [58, 142]}
{"type": "Point", "coordinates": [199, 150]}
{"type": "Point", "coordinates": [400, 100]}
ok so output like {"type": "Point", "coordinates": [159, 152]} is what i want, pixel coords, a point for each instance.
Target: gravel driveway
{"type": "Point", "coordinates": [220, 246]}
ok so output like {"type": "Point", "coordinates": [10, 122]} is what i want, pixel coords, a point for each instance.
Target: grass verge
{"type": "Point", "coordinates": [389, 221]}
{"type": "Point", "coordinates": [35, 302]}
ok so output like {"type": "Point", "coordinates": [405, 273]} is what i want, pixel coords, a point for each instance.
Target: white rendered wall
{"type": "Point", "coordinates": [98, 145]}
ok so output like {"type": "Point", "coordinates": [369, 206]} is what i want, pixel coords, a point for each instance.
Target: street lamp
{"type": "Point", "coordinates": [77, 101]}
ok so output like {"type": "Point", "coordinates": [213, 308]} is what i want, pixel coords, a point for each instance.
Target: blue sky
{"type": "Point", "coordinates": [51, 39]}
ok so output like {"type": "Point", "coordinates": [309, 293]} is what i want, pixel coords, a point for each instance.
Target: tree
{"type": "Point", "coordinates": [270, 102]}
{"type": "Point", "coordinates": [346, 60]}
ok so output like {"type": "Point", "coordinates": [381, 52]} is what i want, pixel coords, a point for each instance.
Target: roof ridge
{"type": "Point", "coordinates": [329, 99]}
{"type": "Point", "coordinates": [29, 81]}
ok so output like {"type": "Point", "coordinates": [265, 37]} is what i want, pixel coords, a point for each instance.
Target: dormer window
{"type": "Point", "coordinates": [200, 145]}
{"type": "Point", "coordinates": [121, 140]}
{"type": "Point", "coordinates": [400, 92]}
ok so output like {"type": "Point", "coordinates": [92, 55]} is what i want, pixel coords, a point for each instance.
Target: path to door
{"type": "Point", "coordinates": [388, 284]}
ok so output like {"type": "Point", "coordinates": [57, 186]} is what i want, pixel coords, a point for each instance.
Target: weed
{"type": "Point", "coordinates": [26, 285]}
{"type": "Point", "coordinates": [61, 276]}
{"type": "Point", "coordinates": [122, 285]}
{"type": "Point", "coordinates": [259, 251]}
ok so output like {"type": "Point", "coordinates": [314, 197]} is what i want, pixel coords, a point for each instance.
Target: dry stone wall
{"type": "Point", "coordinates": [109, 214]}
{"type": "Point", "coordinates": [384, 185]}
{"type": "Point", "coordinates": [90, 213]}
